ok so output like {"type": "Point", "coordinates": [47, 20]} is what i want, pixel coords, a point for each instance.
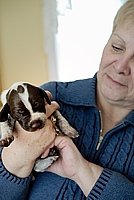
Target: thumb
{"type": "Point", "coordinates": [50, 109]}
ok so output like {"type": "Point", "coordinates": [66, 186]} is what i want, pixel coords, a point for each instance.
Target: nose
{"type": "Point", "coordinates": [36, 124]}
{"type": "Point", "coordinates": [122, 67]}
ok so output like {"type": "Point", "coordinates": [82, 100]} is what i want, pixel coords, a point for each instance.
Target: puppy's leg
{"type": "Point", "coordinates": [64, 126]}
{"type": "Point", "coordinates": [42, 164]}
{"type": "Point", "coordinates": [6, 134]}
{"type": "Point", "coordinates": [7, 124]}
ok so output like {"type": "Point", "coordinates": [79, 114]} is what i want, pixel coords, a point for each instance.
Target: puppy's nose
{"type": "Point", "coordinates": [36, 124]}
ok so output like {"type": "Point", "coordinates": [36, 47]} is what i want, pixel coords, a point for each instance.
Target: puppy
{"type": "Point", "coordinates": [25, 103]}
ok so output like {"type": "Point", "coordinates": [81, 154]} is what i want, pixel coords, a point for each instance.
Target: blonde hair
{"type": "Point", "coordinates": [124, 14]}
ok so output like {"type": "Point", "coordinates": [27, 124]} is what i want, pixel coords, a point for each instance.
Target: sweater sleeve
{"type": "Point", "coordinates": [112, 186]}
{"type": "Point", "coordinates": [51, 87]}
{"type": "Point", "coordinates": [12, 187]}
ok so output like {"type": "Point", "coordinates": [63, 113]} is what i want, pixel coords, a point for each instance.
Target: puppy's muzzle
{"type": "Point", "coordinates": [34, 122]}
{"type": "Point", "coordinates": [37, 124]}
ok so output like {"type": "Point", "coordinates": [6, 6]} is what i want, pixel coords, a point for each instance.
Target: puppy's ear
{"type": "Point", "coordinates": [4, 113]}
{"type": "Point", "coordinates": [46, 96]}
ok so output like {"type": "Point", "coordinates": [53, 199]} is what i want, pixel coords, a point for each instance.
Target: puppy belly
{"type": "Point", "coordinates": [42, 164]}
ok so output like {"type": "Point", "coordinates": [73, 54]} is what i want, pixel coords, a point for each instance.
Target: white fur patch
{"type": "Point", "coordinates": [23, 96]}
{"type": "Point", "coordinates": [38, 115]}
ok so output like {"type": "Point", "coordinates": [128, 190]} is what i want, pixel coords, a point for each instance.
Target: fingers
{"type": "Point", "coordinates": [64, 144]}
{"type": "Point", "coordinates": [51, 108]}
{"type": "Point", "coordinates": [49, 94]}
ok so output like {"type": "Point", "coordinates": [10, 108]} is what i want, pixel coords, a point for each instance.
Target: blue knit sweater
{"type": "Point", "coordinates": [115, 154]}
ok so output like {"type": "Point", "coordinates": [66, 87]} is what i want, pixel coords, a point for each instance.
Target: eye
{"type": "Point", "coordinates": [36, 104]}
{"type": "Point", "coordinates": [116, 48]}
{"type": "Point", "coordinates": [20, 111]}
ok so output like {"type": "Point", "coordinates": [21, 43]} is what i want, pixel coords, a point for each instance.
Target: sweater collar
{"type": "Point", "coordinates": [130, 118]}
{"type": "Point", "coordinates": [84, 91]}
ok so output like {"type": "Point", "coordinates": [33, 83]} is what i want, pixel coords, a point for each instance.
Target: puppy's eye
{"type": "Point", "coordinates": [36, 104]}
{"type": "Point", "coordinates": [20, 111]}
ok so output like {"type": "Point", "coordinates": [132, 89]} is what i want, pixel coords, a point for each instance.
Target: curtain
{"type": "Point", "coordinates": [51, 9]}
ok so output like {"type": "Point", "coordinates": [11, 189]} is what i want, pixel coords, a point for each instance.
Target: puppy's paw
{"type": "Point", "coordinates": [70, 132]}
{"type": "Point", "coordinates": [64, 126]}
{"type": "Point", "coordinates": [6, 141]}
{"type": "Point", "coordinates": [42, 164]}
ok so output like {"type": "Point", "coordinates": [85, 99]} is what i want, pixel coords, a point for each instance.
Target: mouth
{"type": "Point", "coordinates": [115, 82]}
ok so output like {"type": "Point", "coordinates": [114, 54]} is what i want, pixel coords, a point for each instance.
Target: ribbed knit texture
{"type": "Point", "coordinates": [116, 152]}
{"type": "Point", "coordinates": [100, 185]}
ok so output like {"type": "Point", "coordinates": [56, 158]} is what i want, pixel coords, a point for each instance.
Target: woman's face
{"type": "Point", "coordinates": [116, 73]}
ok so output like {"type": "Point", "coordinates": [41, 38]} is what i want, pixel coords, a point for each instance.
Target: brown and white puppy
{"type": "Point", "coordinates": [25, 103]}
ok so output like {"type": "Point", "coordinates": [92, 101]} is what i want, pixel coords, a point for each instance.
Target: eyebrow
{"type": "Point", "coordinates": [118, 36]}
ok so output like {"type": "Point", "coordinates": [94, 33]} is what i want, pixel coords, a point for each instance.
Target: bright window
{"type": "Point", "coordinates": [82, 35]}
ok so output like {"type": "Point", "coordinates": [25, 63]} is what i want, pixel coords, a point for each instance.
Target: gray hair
{"type": "Point", "coordinates": [124, 14]}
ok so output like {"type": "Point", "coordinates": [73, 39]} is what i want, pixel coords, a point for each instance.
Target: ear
{"type": "Point", "coordinates": [4, 113]}
{"type": "Point", "coordinates": [46, 96]}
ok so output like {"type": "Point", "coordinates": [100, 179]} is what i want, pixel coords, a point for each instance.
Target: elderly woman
{"type": "Point", "coordinates": [99, 164]}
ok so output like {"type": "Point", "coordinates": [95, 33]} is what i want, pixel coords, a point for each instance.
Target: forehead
{"type": "Point", "coordinates": [124, 34]}
{"type": "Point", "coordinates": [18, 86]}
{"type": "Point", "coordinates": [26, 93]}
{"type": "Point", "coordinates": [21, 87]}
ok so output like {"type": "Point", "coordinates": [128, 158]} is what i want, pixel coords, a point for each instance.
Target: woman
{"type": "Point", "coordinates": [99, 164]}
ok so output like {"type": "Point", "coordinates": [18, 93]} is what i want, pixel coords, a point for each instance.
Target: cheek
{"type": "Point", "coordinates": [105, 61]}
{"type": "Point", "coordinates": [132, 74]}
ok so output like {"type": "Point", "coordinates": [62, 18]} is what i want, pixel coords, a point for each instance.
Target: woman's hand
{"type": "Point", "coordinates": [19, 157]}
{"type": "Point", "coordinates": [72, 165]}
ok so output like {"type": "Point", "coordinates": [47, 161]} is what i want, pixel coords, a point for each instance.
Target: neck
{"type": "Point", "coordinates": [111, 115]}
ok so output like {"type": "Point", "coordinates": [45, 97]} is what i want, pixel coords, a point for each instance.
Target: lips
{"type": "Point", "coordinates": [116, 82]}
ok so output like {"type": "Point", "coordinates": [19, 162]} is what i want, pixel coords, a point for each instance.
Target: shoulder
{"type": "Point", "coordinates": [76, 92]}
